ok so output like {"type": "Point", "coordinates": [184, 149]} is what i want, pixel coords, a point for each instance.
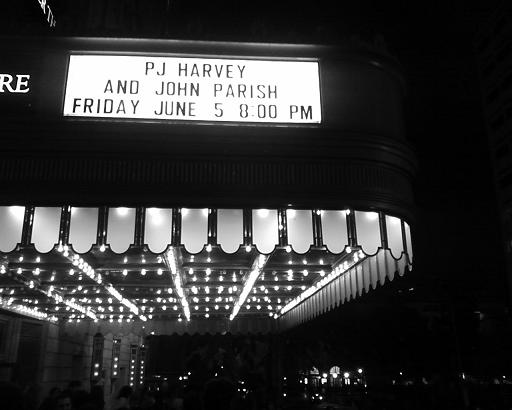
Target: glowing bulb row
{"type": "Point", "coordinates": [251, 280]}
{"type": "Point", "coordinates": [25, 310]}
{"type": "Point", "coordinates": [173, 266]}
{"type": "Point", "coordinates": [336, 272]}
{"type": "Point", "coordinates": [89, 271]}
{"type": "Point", "coordinates": [130, 305]}
{"type": "Point", "coordinates": [70, 303]}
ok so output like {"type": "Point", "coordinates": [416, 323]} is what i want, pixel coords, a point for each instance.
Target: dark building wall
{"type": "Point", "coordinates": [493, 49]}
{"type": "Point", "coordinates": [357, 157]}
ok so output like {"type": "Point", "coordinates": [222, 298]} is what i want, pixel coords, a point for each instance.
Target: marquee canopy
{"type": "Point", "coordinates": [127, 264]}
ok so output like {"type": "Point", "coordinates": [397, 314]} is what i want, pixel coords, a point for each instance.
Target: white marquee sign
{"type": "Point", "coordinates": [193, 89]}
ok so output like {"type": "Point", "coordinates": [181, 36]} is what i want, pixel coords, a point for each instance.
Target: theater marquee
{"type": "Point", "coordinates": [193, 89]}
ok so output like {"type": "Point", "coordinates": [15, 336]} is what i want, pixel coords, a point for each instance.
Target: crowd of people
{"type": "Point", "coordinates": [216, 394]}
{"type": "Point", "coordinates": [221, 393]}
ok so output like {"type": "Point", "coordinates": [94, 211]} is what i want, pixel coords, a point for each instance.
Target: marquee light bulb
{"type": "Point", "coordinates": [122, 211]}
{"type": "Point", "coordinates": [263, 213]}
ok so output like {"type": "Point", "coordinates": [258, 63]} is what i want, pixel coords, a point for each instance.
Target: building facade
{"type": "Point", "coordinates": [289, 197]}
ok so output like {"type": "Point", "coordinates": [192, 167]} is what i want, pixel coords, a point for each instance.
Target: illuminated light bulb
{"type": "Point", "coordinates": [276, 288]}
{"type": "Point", "coordinates": [346, 375]}
{"type": "Point", "coordinates": [290, 262]}
{"type": "Point", "coordinates": [102, 248]}
{"type": "Point", "coordinates": [305, 272]}
{"type": "Point", "coordinates": [208, 271]}
{"type": "Point", "coordinates": [322, 273]}
{"type": "Point", "coordinates": [208, 248]}
{"type": "Point", "coordinates": [125, 260]}
{"type": "Point", "coordinates": [288, 249]}
{"type": "Point", "coordinates": [125, 272]}
{"type": "Point", "coordinates": [191, 271]}
{"type": "Point", "coordinates": [226, 307]}
{"type": "Point", "coordinates": [216, 307]}
{"type": "Point", "coordinates": [263, 213]}
{"type": "Point", "coordinates": [38, 259]}
{"type": "Point", "coordinates": [194, 278]}
{"type": "Point", "coordinates": [348, 249]}
{"type": "Point", "coordinates": [221, 278]}
{"type": "Point", "coordinates": [347, 211]}
{"type": "Point", "coordinates": [248, 248]}
{"type": "Point", "coordinates": [122, 211]}
{"type": "Point", "coordinates": [258, 307]}
{"type": "Point", "coordinates": [143, 272]}
{"type": "Point", "coordinates": [360, 371]}
{"type": "Point", "coordinates": [289, 288]}
{"type": "Point", "coordinates": [20, 258]}
{"type": "Point", "coordinates": [19, 271]}
{"type": "Point", "coordinates": [17, 211]}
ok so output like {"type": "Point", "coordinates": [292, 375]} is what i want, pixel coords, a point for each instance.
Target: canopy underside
{"type": "Point", "coordinates": [129, 264]}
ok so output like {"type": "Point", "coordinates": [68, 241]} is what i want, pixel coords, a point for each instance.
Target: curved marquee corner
{"type": "Point", "coordinates": [265, 229]}
{"type": "Point", "coordinates": [344, 286]}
